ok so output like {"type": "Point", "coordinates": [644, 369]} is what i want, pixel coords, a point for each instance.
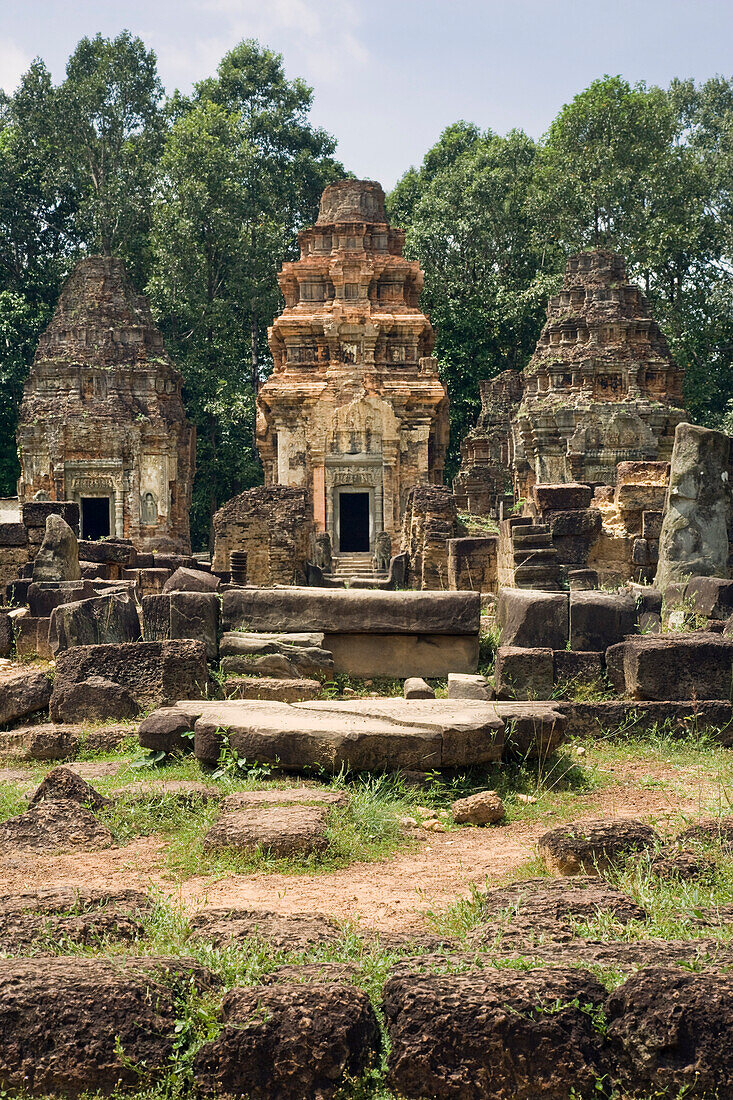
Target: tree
{"type": "Point", "coordinates": [468, 216]}
{"type": "Point", "coordinates": [108, 135]}
{"type": "Point", "coordinates": [241, 171]}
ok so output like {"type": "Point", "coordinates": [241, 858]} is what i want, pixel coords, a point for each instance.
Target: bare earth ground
{"type": "Point", "coordinates": [394, 894]}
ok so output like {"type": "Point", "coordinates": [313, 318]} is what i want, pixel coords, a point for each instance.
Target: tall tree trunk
{"type": "Point", "coordinates": [255, 373]}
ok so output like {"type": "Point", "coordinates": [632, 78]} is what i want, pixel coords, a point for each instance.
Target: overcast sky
{"type": "Point", "coordinates": [389, 75]}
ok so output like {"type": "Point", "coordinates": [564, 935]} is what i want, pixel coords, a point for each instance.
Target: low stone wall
{"type": "Point", "coordinates": [473, 564]}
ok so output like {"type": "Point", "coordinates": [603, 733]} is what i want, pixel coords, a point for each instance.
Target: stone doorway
{"type": "Point", "coordinates": [95, 518]}
{"type": "Point", "coordinates": [354, 516]}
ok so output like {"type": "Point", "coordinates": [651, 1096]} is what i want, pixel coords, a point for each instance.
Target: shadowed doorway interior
{"type": "Point", "coordinates": [95, 518]}
{"type": "Point", "coordinates": [354, 523]}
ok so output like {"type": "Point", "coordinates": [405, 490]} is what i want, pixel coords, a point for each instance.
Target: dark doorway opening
{"type": "Point", "coordinates": [95, 517]}
{"type": "Point", "coordinates": [354, 523]}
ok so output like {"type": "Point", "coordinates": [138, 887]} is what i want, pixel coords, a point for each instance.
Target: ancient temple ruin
{"type": "Point", "coordinates": [601, 388]}
{"type": "Point", "coordinates": [354, 410]}
{"type": "Point", "coordinates": [102, 421]}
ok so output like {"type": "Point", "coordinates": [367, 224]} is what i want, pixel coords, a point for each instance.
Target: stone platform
{"type": "Point", "coordinates": [372, 734]}
{"type": "Point", "coordinates": [369, 633]}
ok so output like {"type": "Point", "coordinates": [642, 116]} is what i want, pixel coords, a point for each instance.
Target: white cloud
{"type": "Point", "coordinates": [321, 40]}
{"type": "Point", "coordinates": [13, 63]}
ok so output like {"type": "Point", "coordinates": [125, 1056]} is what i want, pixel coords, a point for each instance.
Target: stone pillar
{"type": "Point", "coordinates": [319, 497]}
{"type": "Point", "coordinates": [119, 498]}
{"type": "Point", "coordinates": [694, 536]}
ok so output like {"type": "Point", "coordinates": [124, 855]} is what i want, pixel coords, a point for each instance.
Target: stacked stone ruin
{"type": "Point", "coordinates": [102, 421]}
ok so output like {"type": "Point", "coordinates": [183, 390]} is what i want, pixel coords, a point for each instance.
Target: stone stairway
{"type": "Point", "coordinates": [353, 567]}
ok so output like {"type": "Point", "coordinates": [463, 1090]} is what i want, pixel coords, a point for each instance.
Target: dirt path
{"type": "Point", "coordinates": [392, 895]}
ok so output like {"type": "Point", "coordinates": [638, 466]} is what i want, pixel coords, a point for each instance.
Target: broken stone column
{"type": "Point", "coordinates": [694, 536]}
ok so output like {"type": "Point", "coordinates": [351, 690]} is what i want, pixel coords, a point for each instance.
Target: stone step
{"type": "Point", "coordinates": [535, 539]}
{"type": "Point", "coordinates": [530, 530]}
{"type": "Point", "coordinates": [544, 557]}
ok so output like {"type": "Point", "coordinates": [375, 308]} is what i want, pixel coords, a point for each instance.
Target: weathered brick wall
{"type": "Point", "coordinates": [273, 525]}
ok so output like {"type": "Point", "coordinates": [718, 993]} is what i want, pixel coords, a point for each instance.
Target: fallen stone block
{"type": "Point", "coordinates": [711, 717]}
{"type": "Point", "coordinates": [58, 557]}
{"type": "Point", "coordinates": [183, 614]}
{"type": "Point", "coordinates": [483, 808]}
{"type": "Point", "coordinates": [94, 699]}
{"type": "Point", "coordinates": [524, 673]}
{"type": "Point", "coordinates": [524, 915]}
{"type": "Point", "coordinates": [289, 1042]}
{"type": "Point", "coordinates": [398, 656]}
{"type": "Point", "coordinates": [103, 620]}
{"type": "Point", "coordinates": [416, 688]}
{"type": "Point", "coordinates": [711, 830]}
{"type": "Point", "coordinates": [710, 596]}
{"type": "Point", "coordinates": [672, 666]}
{"type": "Point", "coordinates": [670, 1031]}
{"type": "Point", "coordinates": [567, 496]}
{"type": "Point", "coordinates": [533, 618]}
{"type": "Point", "coordinates": [361, 734]}
{"type": "Point", "coordinates": [569, 665]}
{"type": "Point", "coordinates": [593, 847]}
{"type": "Point", "coordinates": [108, 552]}
{"type": "Point", "coordinates": [154, 673]}
{"type": "Point", "coordinates": [6, 634]}
{"type": "Point", "coordinates": [238, 641]}
{"type": "Point", "coordinates": [31, 637]}
{"type": "Point", "coordinates": [59, 825]}
{"type": "Point", "coordinates": [276, 659]}
{"type": "Point", "coordinates": [600, 619]}
{"type": "Point", "coordinates": [532, 731]}
{"type": "Point", "coordinates": [41, 919]}
{"type": "Point", "coordinates": [465, 686]}
{"type": "Point", "coordinates": [503, 1033]}
{"type": "Point", "coordinates": [67, 784]}
{"type": "Point", "coordinates": [279, 831]}
{"type": "Point", "coordinates": [66, 1023]}
{"type": "Point", "coordinates": [297, 932]}
{"type": "Point", "coordinates": [191, 580]}
{"type": "Point", "coordinates": [23, 691]}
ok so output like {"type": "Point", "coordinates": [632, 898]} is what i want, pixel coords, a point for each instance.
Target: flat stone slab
{"type": "Point", "coordinates": [373, 734]}
{"type": "Point", "coordinates": [271, 688]}
{"type": "Point", "coordinates": [284, 796]}
{"type": "Point", "coordinates": [361, 734]}
{"type": "Point", "coordinates": [355, 611]}
{"type": "Point", "coordinates": [241, 641]}
{"type": "Point", "coordinates": [288, 933]}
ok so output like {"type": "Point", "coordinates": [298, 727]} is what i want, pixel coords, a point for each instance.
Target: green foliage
{"type": "Point", "coordinates": [241, 172]}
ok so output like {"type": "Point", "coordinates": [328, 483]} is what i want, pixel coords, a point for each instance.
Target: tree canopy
{"type": "Point", "coordinates": [203, 195]}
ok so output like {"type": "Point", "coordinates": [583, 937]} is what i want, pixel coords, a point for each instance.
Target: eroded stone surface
{"type": "Point", "coordinates": [278, 830]}
{"type": "Point", "coordinates": [286, 933]}
{"type": "Point", "coordinates": [289, 1042]}
{"type": "Point", "coordinates": [594, 846]}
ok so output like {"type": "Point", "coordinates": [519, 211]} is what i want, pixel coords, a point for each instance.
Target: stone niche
{"type": "Point", "coordinates": [273, 526]}
{"type": "Point", "coordinates": [600, 389]}
{"type": "Point", "coordinates": [354, 411]}
{"type": "Point", "coordinates": [102, 421]}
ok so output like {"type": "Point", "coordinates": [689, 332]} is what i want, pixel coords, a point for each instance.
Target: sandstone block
{"type": "Point", "coordinates": [164, 730]}
{"type": "Point", "coordinates": [94, 700]}
{"type": "Point", "coordinates": [32, 637]}
{"type": "Point", "coordinates": [36, 512]}
{"type": "Point", "coordinates": [533, 618]}
{"type": "Point", "coordinates": [600, 619]}
{"type": "Point", "coordinates": [710, 596]}
{"type": "Point", "coordinates": [108, 552]}
{"type": "Point", "coordinates": [23, 691]}
{"type": "Point", "coordinates": [102, 620]}
{"type": "Point", "coordinates": [484, 808]}
{"type": "Point", "coordinates": [183, 614]}
{"type": "Point", "coordinates": [58, 557]}
{"type": "Point", "coordinates": [6, 634]}
{"type": "Point", "coordinates": [524, 673]}
{"type": "Point", "coordinates": [468, 686]}
{"type": "Point", "coordinates": [237, 641]}
{"type": "Point", "coordinates": [341, 611]}
{"type": "Point", "coordinates": [532, 731]}
{"type": "Point", "coordinates": [694, 536]}
{"type": "Point", "coordinates": [673, 666]}
{"type": "Point", "coordinates": [416, 688]}
{"type": "Point", "coordinates": [191, 580]}
{"type": "Point", "coordinates": [268, 687]}
{"type": "Point", "coordinates": [65, 783]}
{"type": "Point", "coordinates": [280, 831]}
{"type": "Point", "coordinates": [13, 534]}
